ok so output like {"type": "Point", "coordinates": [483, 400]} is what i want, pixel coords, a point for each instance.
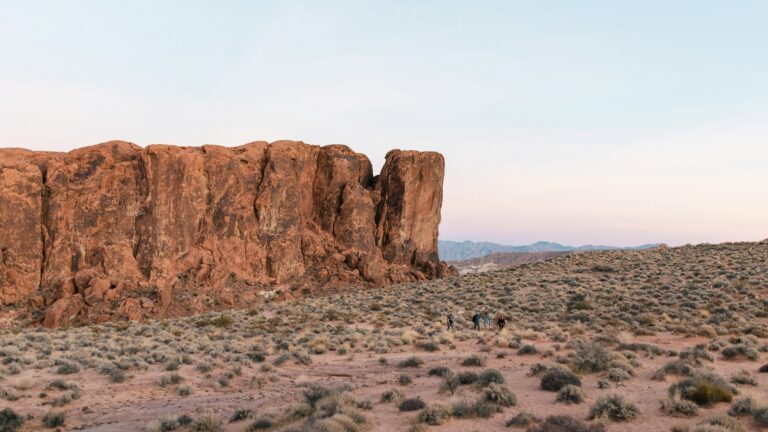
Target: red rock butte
{"type": "Point", "coordinates": [116, 231]}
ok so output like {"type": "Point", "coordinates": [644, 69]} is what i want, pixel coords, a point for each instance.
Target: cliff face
{"type": "Point", "coordinates": [116, 231]}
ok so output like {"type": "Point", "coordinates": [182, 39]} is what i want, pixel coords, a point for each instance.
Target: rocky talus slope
{"type": "Point", "coordinates": [117, 231]}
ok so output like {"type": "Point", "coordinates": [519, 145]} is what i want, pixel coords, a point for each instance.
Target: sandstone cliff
{"type": "Point", "coordinates": [117, 231]}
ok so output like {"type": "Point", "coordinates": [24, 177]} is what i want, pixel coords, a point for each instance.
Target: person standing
{"type": "Point", "coordinates": [487, 319]}
{"type": "Point", "coordinates": [476, 321]}
{"type": "Point", "coordinates": [501, 322]}
{"type": "Point", "coordinates": [450, 322]}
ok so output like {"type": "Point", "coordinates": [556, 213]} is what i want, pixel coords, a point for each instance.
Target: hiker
{"type": "Point", "coordinates": [450, 322]}
{"type": "Point", "coordinates": [487, 319]}
{"type": "Point", "coordinates": [476, 321]}
{"type": "Point", "coordinates": [501, 321]}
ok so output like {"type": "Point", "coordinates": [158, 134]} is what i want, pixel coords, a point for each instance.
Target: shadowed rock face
{"type": "Point", "coordinates": [116, 231]}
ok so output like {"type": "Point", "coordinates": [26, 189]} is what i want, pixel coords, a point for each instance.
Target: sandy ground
{"type": "Point", "coordinates": [131, 405]}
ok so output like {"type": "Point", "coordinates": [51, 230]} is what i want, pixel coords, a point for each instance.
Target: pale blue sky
{"type": "Point", "coordinates": [573, 121]}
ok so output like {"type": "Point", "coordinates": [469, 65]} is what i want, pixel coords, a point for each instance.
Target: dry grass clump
{"type": "Point", "coordinates": [565, 424]}
{"type": "Point", "coordinates": [703, 389]}
{"type": "Point", "coordinates": [614, 407]}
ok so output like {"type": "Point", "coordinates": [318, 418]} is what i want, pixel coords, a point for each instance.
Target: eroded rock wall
{"type": "Point", "coordinates": [117, 231]}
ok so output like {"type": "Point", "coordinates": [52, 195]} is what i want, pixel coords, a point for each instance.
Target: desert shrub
{"type": "Point", "coordinates": [618, 375]}
{"type": "Point", "coordinates": [440, 371]}
{"type": "Point", "coordinates": [411, 362]}
{"type": "Point", "coordinates": [743, 378]}
{"type": "Point", "coordinates": [537, 369]}
{"type": "Point", "coordinates": [184, 390]}
{"type": "Point", "coordinates": [434, 414]}
{"type": "Point", "coordinates": [704, 390]}
{"type": "Point", "coordinates": [677, 406]}
{"type": "Point", "coordinates": [740, 351]}
{"type": "Point", "coordinates": [66, 368]}
{"type": "Point", "coordinates": [473, 360]}
{"type": "Point", "coordinates": [404, 380]}
{"type": "Point", "coordinates": [467, 377]}
{"type": "Point", "coordinates": [53, 419]}
{"type": "Point", "coordinates": [429, 346]}
{"type": "Point", "coordinates": [412, 404]}
{"type": "Point", "coordinates": [724, 423]}
{"type": "Point", "coordinates": [489, 376]}
{"type": "Point", "coordinates": [499, 394]}
{"type": "Point", "coordinates": [10, 421]}
{"type": "Point", "coordinates": [241, 414]}
{"type": "Point", "coordinates": [555, 379]}
{"type": "Point", "coordinates": [615, 407]}
{"type": "Point", "coordinates": [696, 355]}
{"type": "Point", "coordinates": [485, 409]}
{"type": "Point", "coordinates": [565, 424]}
{"type": "Point", "coordinates": [591, 357]}
{"type": "Point", "coordinates": [522, 419]}
{"type": "Point", "coordinates": [170, 379]}
{"type": "Point", "coordinates": [463, 409]}
{"type": "Point", "coordinates": [262, 423]}
{"type": "Point", "coordinates": [570, 394]}
{"type": "Point", "coordinates": [392, 396]}
{"type": "Point", "coordinates": [742, 406]}
{"type": "Point", "coordinates": [206, 423]}
{"type": "Point", "coordinates": [760, 416]}
{"type": "Point", "coordinates": [527, 350]}
{"type": "Point", "coordinates": [451, 382]}
{"type": "Point", "coordinates": [676, 367]}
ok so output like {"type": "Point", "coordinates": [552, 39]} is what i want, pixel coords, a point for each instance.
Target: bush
{"type": "Point", "coordinates": [527, 350]}
{"type": "Point", "coordinates": [523, 419]}
{"type": "Point", "coordinates": [66, 368]}
{"type": "Point", "coordinates": [392, 396]}
{"type": "Point", "coordinates": [718, 424]}
{"type": "Point", "coordinates": [411, 362]}
{"type": "Point", "coordinates": [760, 416]}
{"type": "Point", "coordinates": [555, 379]}
{"type": "Point", "coordinates": [434, 414]}
{"type": "Point", "coordinates": [169, 379]}
{"type": "Point", "coordinates": [618, 375]}
{"type": "Point", "coordinates": [184, 390]}
{"type": "Point", "coordinates": [10, 421]}
{"type": "Point", "coordinates": [489, 376]}
{"type": "Point", "coordinates": [565, 424]}
{"type": "Point", "coordinates": [740, 351]}
{"type": "Point", "coordinates": [500, 395]}
{"type": "Point", "coordinates": [763, 368]}
{"type": "Point", "coordinates": [742, 407]}
{"type": "Point", "coordinates": [412, 404]}
{"type": "Point", "coordinates": [263, 423]}
{"type": "Point", "coordinates": [473, 360]}
{"type": "Point", "coordinates": [240, 415]}
{"type": "Point", "coordinates": [206, 423]}
{"type": "Point", "coordinates": [404, 380]}
{"type": "Point", "coordinates": [429, 346]}
{"type": "Point", "coordinates": [451, 382]}
{"type": "Point", "coordinates": [570, 394]}
{"type": "Point", "coordinates": [704, 390]}
{"type": "Point", "coordinates": [615, 407]}
{"type": "Point", "coordinates": [743, 378]}
{"type": "Point", "coordinates": [592, 357]}
{"type": "Point", "coordinates": [53, 419]}
{"type": "Point", "coordinates": [440, 371]}
{"type": "Point", "coordinates": [467, 377]}
{"type": "Point", "coordinates": [676, 406]}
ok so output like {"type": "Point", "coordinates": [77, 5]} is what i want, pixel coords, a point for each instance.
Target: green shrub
{"type": "Point", "coordinates": [615, 407]}
{"type": "Point", "coordinates": [411, 362]}
{"type": "Point", "coordinates": [10, 421]}
{"type": "Point", "coordinates": [53, 419]}
{"type": "Point", "coordinates": [412, 404]}
{"type": "Point", "coordinates": [473, 360]}
{"type": "Point", "coordinates": [704, 390]}
{"type": "Point", "coordinates": [66, 368]}
{"type": "Point", "coordinates": [592, 357]}
{"type": "Point", "coordinates": [392, 396]}
{"type": "Point", "coordinates": [489, 376]}
{"type": "Point", "coordinates": [555, 379]}
{"type": "Point", "coordinates": [404, 380]}
{"type": "Point", "coordinates": [440, 371]}
{"type": "Point", "coordinates": [467, 377]}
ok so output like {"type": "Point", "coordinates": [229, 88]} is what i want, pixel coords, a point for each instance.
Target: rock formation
{"type": "Point", "coordinates": [116, 231]}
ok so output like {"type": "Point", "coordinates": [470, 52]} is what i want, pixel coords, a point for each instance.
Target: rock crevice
{"type": "Point", "coordinates": [117, 231]}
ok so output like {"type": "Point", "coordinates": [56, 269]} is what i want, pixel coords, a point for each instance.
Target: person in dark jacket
{"type": "Point", "coordinates": [476, 321]}
{"type": "Point", "coordinates": [450, 322]}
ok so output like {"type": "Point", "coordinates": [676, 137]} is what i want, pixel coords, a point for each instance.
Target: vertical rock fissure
{"type": "Point", "coordinates": [44, 221]}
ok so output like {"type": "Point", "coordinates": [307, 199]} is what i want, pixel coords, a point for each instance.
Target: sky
{"type": "Point", "coordinates": [603, 122]}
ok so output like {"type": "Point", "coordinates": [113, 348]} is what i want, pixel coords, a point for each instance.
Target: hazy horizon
{"type": "Point", "coordinates": [574, 122]}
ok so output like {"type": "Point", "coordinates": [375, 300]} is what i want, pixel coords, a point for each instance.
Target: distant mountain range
{"type": "Point", "coordinates": [455, 251]}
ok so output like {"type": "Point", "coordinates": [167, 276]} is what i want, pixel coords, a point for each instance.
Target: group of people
{"type": "Point", "coordinates": [478, 319]}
